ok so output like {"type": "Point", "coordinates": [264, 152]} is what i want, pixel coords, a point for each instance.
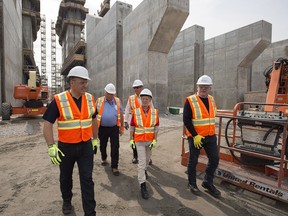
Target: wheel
{"type": "Point", "coordinates": [6, 111]}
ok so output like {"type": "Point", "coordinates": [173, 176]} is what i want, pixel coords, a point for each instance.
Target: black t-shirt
{"type": "Point", "coordinates": [52, 112]}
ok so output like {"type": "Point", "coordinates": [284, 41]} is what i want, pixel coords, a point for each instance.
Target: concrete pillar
{"type": "Point", "coordinates": [149, 32]}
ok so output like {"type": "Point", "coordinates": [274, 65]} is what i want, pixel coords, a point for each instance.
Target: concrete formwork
{"type": "Point", "coordinates": [229, 58]}
{"type": "Point", "coordinates": [104, 48]}
{"type": "Point", "coordinates": [149, 32]}
{"type": "Point", "coordinates": [10, 48]}
{"type": "Point", "coordinates": [186, 63]}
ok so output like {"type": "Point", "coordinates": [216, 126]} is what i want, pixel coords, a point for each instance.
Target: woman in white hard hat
{"type": "Point", "coordinates": [199, 119]}
{"type": "Point", "coordinates": [133, 102]}
{"type": "Point", "coordinates": [143, 136]}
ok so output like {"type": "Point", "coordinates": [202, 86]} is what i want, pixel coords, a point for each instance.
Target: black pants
{"type": "Point", "coordinates": [104, 134]}
{"type": "Point", "coordinates": [211, 149]}
{"type": "Point", "coordinates": [83, 154]}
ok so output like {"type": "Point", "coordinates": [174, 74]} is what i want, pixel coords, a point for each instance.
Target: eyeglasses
{"type": "Point", "coordinates": [204, 86]}
{"type": "Point", "coordinates": [137, 87]}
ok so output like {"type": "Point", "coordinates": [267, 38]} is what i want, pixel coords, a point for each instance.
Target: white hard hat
{"type": "Point", "coordinates": [79, 71]}
{"type": "Point", "coordinates": [110, 88]}
{"type": "Point", "coordinates": [146, 92]}
{"type": "Point", "coordinates": [137, 83]}
{"type": "Point", "coordinates": [204, 80]}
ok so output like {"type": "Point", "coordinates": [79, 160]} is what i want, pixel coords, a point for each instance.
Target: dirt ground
{"type": "Point", "coordinates": [29, 182]}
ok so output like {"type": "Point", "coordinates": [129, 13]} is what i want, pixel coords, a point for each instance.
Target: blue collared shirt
{"type": "Point", "coordinates": [110, 113]}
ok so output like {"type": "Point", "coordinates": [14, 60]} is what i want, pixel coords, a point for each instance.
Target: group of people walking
{"type": "Point", "coordinates": [85, 125]}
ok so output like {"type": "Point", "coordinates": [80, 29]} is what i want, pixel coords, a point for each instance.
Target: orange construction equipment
{"type": "Point", "coordinates": [33, 95]}
{"type": "Point", "coordinates": [253, 147]}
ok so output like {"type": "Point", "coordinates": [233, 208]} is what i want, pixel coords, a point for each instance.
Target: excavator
{"type": "Point", "coordinates": [252, 140]}
{"type": "Point", "coordinates": [33, 94]}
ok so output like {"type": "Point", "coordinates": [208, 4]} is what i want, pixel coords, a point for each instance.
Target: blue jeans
{"type": "Point", "coordinates": [211, 149]}
{"type": "Point", "coordinates": [83, 154]}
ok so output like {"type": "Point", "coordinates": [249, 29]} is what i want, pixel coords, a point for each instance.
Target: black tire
{"type": "Point", "coordinates": [6, 111]}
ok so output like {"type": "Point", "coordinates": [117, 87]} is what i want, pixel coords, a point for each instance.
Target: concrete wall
{"type": "Point", "coordinates": [149, 32]}
{"type": "Point", "coordinates": [186, 62]}
{"type": "Point", "coordinates": [229, 58]}
{"type": "Point", "coordinates": [272, 53]}
{"type": "Point", "coordinates": [104, 48]}
{"type": "Point", "coordinates": [11, 50]}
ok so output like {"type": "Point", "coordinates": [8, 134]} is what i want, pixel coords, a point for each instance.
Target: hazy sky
{"type": "Point", "coordinates": [216, 16]}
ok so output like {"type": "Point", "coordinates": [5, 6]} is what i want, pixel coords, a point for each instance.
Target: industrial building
{"type": "Point", "coordinates": [123, 44]}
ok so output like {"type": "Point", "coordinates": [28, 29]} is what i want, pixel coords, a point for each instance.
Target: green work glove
{"type": "Point", "coordinates": [198, 141]}
{"type": "Point", "coordinates": [132, 144]}
{"type": "Point", "coordinates": [53, 152]}
{"type": "Point", "coordinates": [95, 145]}
{"type": "Point", "coordinates": [153, 144]}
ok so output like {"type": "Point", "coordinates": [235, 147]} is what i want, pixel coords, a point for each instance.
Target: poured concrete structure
{"type": "Point", "coordinates": [70, 23]}
{"type": "Point", "coordinates": [229, 58]}
{"type": "Point", "coordinates": [186, 64]}
{"type": "Point", "coordinates": [105, 48]}
{"type": "Point", "coordinates": [10, 47]}
{"type": "Point", "coordinates": [149, 32]}
{"type": "Point", "coordinates": [228, 61]}
{"type": "Point", "coordinates": [126, 45]}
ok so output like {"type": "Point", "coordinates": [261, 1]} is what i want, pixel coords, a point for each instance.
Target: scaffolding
{"type": "Point", "coordinates": [43, 51]}
{"type": "Point", "coordinates": [53, 59]}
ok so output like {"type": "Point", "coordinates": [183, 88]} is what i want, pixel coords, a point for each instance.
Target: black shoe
{"type": "Point", "coordinates": [194, 189]}
{"type": "Point", "coordinates": [146, 174]}
{"type": "Point", "coordinates": [67, 207]}
{"type": "Point", "coordinates": [211, 189]}
{"type": "Point", "coordinates": [135, 161]}
{"type": "Point", "coordinates": [115, 172]}
{"type": "Point", "coordinates": [144, 191]}
{"type": "Point", "coordinates": [150, 162]}
{"type": "Point", "coordinates": [104, 163]}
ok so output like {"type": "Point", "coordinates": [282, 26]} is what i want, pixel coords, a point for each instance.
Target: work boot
{"type": "Point", "coordinates": [135, 161]}
{"type": "Point", "coordinates": [144, 191]}
{"type": "Point", "coordinates": [66, 207]}
{"type": "Point", "coordinates": [211, 189]}
{"type": "Point", "coordinates": [194, 189]}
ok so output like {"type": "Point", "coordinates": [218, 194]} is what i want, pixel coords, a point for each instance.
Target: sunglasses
{"type": "Point", "coordinates": [137, 87]}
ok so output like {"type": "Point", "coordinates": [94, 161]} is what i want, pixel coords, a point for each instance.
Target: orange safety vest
{"type": "Point", "coordinates": [100, 109]}
{"type": "Point", "coordinates": [74, 125]}
{"type": "Point", "coordinates": [203, 122]}
{"type": "Point", "coordinates": [134, 102]}
{"type": "Point", "coordinates": [145, 125]}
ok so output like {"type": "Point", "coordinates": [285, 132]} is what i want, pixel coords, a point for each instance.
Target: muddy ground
{"type": "Point", "coordinates": [29, 182]}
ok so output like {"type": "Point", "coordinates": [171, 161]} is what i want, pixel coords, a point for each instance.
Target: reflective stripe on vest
{"type": "Point", "coordinates": [74, 125]}
{"type": "Point", "coordinates": [100, 108]}
{"type": "Point", "coordinates": [133, 101]}
{"type": "Point", "coordinates": [145, 132]}
{"type": "Point", "coordinates": [203, 122]}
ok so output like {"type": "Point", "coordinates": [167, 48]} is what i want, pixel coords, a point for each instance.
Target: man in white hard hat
{"type": "Point", "coordinates": [75, 112]}
{"type": "Point", "coordinates": [143, 135]}
{"type": "Point", "coordinates": [199, 119]}
{"type": "Point", "coordinates": [133, 102]}
{"type": "Point", "coordinates": [111, 124]}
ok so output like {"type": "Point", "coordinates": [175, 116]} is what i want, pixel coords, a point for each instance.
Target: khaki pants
{"type": "Point", "coordinates": [144, 154]}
